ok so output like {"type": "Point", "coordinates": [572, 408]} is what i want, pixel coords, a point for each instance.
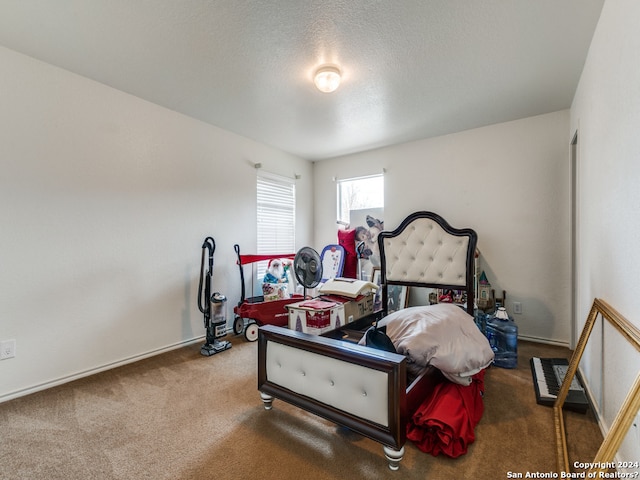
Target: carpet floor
{"type": "Point", "coordinates": [180, 415]}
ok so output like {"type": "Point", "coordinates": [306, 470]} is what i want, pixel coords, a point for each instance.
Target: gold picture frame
{"type": "Point", "coordinates": [630, 406]}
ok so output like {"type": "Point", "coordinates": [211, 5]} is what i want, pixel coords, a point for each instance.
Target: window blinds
{"type": "Point", "coordinates": [276, 201]}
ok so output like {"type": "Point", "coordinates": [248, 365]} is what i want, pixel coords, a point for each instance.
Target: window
{"type": "Point", "coordinates": [359, 194]}
{"type": "Point", "coordinates": [361, 206]}
{"type": "Point", "coordinates": [276, 201]}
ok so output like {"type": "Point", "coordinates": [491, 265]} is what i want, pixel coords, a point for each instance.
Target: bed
{"type": "Point", "coordinates": [359, 387]}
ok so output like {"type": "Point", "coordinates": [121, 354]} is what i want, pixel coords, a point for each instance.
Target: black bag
{"type": "Point", "coordinates": [377, 338]}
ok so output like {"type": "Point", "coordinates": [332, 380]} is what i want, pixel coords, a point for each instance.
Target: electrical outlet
{"type": "Point", "coordinates": [7, 349]}
{"type": "Point", "coordinates": [517, 307]}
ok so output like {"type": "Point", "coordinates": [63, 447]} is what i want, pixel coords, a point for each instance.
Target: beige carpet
{"type": "Point", "coordinates": [184, 416]}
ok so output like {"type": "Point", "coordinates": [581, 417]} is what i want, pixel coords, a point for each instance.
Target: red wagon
{"type": "Point", "coordinates": [253, 312]}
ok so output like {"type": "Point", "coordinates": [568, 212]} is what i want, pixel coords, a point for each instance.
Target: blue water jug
{"type": "Point", "coordinates": [481, 320]}
{"type": "Point", "coordinates": [502, 333]}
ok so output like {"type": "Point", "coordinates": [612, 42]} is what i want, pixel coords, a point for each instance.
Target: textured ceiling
{"type": "Point", "coordinates": [411, 69]}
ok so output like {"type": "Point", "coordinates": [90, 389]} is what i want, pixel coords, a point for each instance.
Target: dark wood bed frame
{"type": "Point", "coordinates": [424, 251]}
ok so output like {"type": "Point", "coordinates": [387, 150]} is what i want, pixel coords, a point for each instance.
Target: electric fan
{"type": "Point", "coordinates": [307, 268]}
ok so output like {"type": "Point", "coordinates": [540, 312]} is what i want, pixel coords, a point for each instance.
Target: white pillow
{"type": "Point", "coordinates": [442, 335]}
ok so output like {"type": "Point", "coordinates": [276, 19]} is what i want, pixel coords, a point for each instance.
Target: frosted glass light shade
{"type": "Point", "coordinates": [327, 79]}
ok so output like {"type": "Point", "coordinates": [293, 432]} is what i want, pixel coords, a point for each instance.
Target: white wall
{"type": "Point", "coordinates": [510, 182]}
{"type": "Point", "coordinates": [606, 114]}
{"type": "Point", "coordinates": [105, 202]}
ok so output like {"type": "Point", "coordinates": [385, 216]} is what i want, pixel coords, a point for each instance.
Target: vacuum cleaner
{"type": "Point", "coordinates": [213, 306]}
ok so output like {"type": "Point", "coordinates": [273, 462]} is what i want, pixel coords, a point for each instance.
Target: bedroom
{"type": "Point", "coordinates": [100, 263]}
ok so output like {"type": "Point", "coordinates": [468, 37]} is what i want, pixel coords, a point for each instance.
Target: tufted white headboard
{"type": "Point", "coordinates": [425, 251]}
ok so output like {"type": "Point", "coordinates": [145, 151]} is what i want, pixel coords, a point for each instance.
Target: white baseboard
{"type": "Point", "coordinates": [92, 371]}
{"type": "Point", "coordinates": [559, 343]}
{"type": "Point", "coordinates": [592, 403]}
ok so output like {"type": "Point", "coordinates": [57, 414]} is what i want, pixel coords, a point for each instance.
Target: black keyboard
{"type": "Point", "coordinates": [548, 375]}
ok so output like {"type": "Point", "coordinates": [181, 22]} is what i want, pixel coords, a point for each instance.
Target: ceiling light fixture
{"type": "Point", "coordinates": [327, 78]}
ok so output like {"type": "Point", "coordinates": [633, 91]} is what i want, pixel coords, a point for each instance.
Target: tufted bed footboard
{"type": "Point", "coordinates": [354, 386]}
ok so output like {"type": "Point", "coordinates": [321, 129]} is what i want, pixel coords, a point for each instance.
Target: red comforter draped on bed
{"type": "Point", "coordinates": [446, 420]}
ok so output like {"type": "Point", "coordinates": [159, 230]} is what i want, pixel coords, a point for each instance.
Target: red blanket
{"type": "Point", "coordinates": [446, 420]}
